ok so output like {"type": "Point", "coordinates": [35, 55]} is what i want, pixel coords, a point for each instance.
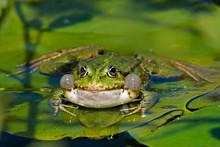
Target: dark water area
{"type": "Point", "coordinates": [121, 140]}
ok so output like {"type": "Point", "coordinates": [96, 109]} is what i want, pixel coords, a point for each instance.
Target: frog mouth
{"type": "Point", "coordinates": [96, 88]}
{"type": "Point", "coordinates": [100, 99]}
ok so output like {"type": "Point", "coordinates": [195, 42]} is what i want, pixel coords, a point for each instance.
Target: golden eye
{"type": "Point", "coordinates": [83, 71]}
{"type": "Point", "coordinates": [111, 71]}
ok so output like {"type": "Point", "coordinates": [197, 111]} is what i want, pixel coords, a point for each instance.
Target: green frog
{"type": "Point", "coordinates": [95, 79]}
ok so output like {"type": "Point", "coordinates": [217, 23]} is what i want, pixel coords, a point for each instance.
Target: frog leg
{"type": "Point", "coordinates": [162, 67]}
{"type": "Point", "coordinates": [148, 100]}
{"type": "Point", "coordinates": [55, 102]}
{"type": "Point", "coordinates": [59, 62]}
{"type": "Point", "coordinates": [195, 72]}
{"type": "Point", "coordinates": [132, 109]}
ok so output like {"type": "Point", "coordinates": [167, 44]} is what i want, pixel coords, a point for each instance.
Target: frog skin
{"type": "Point", "coordinates": [97, 79]}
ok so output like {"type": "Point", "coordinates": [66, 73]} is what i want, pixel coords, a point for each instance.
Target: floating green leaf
{"type": "Point", "coordinates": [197, 128]}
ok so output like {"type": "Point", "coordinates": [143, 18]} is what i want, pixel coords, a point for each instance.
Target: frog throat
{"type": "Point", "coordinates": [100, 99]}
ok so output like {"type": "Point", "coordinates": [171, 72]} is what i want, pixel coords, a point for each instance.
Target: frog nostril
{"type": "Point", "coordinates": [67, 81]}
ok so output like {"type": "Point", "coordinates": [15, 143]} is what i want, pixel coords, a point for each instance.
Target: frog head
{"type": "Point", "coordinates": [101, 82]}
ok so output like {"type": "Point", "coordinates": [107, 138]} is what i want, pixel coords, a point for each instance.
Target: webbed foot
{"type": "Point", "coordinates": [56, 104]}
{"type": "Point", "coordinates": [148, 101]}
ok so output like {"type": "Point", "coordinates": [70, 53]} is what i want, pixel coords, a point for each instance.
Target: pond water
{"type": "Point", "coordinates": [186, 30]}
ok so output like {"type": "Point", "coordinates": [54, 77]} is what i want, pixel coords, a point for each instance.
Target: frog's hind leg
{"type": "Point", "coordinates": [52, 63]}
{"type": "Point", "coordinates": [148, 101]}
{"type": "Point", "coordinates": [130, 111]}
{"type": "Point", "coordinates": [24, 68]}
{"type": "Point", "coordinates": [195, 72]}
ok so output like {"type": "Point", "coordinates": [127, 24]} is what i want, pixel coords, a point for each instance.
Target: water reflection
{"type": "Point", "coordinates": [100, 123]}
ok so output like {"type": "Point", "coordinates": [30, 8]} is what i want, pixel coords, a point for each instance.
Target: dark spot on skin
{"type": "Point", "coordinates": [129, 93]}
{"type": "Point", "coordinates": [101, 52]}
{"type": "Point", "coordinates": [90, 77]}
{"type": "Point", "coordinates": [101, 77]}
{"type": "Point", "coordinates": [69, 90]}
{"type": "Point", "coordinates": [98, 64]}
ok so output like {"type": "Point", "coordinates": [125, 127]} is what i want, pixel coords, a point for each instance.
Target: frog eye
{"type": "Point", "coordinates": [83, 71]}
{"type": "Point", "coordinates": [111, 71]}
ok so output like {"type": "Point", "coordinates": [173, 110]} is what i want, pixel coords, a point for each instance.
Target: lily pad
{"type": "Point", "coordinates": [171, 106]}
{"type": "Point", "coordinates": [32, 108]}
{"type": "Point", "coordinates": [198, 128]}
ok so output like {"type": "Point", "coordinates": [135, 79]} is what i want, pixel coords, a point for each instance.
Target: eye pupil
{"type": "Point", "coordinates": [111, 71]}
{"type": "Point", "coordinates": [83, 71]}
